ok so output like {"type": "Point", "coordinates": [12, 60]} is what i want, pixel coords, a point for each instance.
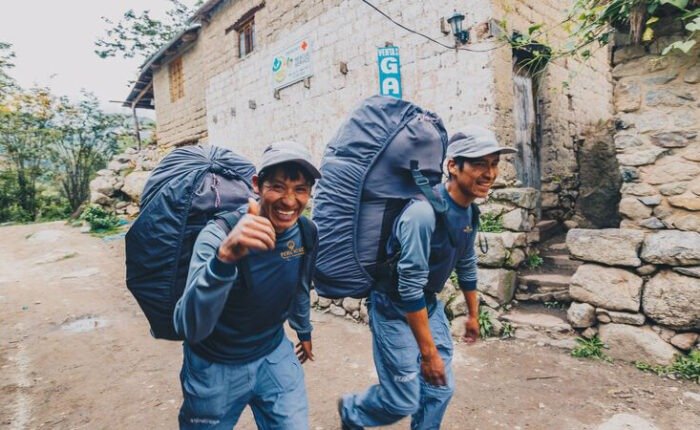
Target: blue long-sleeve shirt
{"type": "Point", "coordinates": [225, 320]}
{"type": "Point", "coordinates": [427, 257]}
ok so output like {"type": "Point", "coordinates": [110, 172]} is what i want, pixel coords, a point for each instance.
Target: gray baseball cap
{"type": "Point", "coordinates": [474, 141]}
{"type": "Point", "coordinates": [286, 151]}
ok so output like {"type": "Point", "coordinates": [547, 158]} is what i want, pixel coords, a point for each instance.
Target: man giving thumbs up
{"type": "Point", "coordinates": [242, 286]}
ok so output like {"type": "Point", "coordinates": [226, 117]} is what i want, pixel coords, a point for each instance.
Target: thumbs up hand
{"type": "Point", "coordinates": [251, 232]}
{"type": "Point", "coordinates": [253, 207]}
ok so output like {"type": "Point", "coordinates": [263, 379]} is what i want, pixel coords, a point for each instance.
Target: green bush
{"type": "Point", "coordinates": [685, 366]}
{"type": "Point", "coordinates": [555, 305]}
{"type": "Point", "coordinates": [534, 260]}
{"type": "Point", "coordinates": [99, 219]}
{"type": "Point", "coordinates": [508, 330]}
{"type": "Point", "coordinates": [590, 348]}
{"type": "Point", "coordinates": [485, 324]}
{"type": "Point", "coordinates": [53, 207]}
{"type": "Point", "coordinates": [490, 223]}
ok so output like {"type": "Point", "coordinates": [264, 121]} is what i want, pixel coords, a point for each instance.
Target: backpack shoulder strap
{"type": "Point", "coordinates": [309, 239]}
{"type": "Point", "coordinates": [476, 212]}
{"type": "Point", "coordinates": [438, 204]}
{"type": "Point", "coordinates": [309, 234]}
{"type": "Point", "coordinates": [227, 221]}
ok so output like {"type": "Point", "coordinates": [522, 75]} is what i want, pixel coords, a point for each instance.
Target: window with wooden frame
{"type": "Point", "coordinates": [177, 81]}
{"type": "Point", "coordinates": [246, 37]}
{"type": "Point", "coordinates": [245, 28]}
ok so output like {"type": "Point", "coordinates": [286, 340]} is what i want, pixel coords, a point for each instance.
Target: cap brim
{"type": "Point", "coordinates": [310, 168]}
{"type": "Point", "coordinates": [484, 152]}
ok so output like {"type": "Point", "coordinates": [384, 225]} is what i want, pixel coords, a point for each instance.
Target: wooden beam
{"type": "Point", "coordinates": [189, 37]}
{"type": "Point", "coordinates": [244, 18]}
{"type": "Point", "coordinates": [136, 101]}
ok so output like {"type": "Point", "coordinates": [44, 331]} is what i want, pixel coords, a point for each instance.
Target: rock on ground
{"type": "Point", "coordinates": [627, 422]}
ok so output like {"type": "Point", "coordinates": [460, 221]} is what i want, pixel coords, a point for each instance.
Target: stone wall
{"type": "Point", "coordinates": [118, 187]}
{"type": "Point", "coordinates": [640, 284]}
{"type": "Point", "coordinates": [639, 291]}
{"type": "Point", "coordinates": [571, 96]}
{"type": "Point", "coordinates": [656, 99]}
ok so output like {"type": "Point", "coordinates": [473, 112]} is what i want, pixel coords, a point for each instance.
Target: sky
{"type": "Point", "coordinates": [53, 41]}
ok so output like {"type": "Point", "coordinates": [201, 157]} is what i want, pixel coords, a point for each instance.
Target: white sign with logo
{"type": "Point", "coordinates": [292, 65]}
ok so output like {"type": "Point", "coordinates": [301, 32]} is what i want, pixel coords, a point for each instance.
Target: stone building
{"type": "Point", "coordinates": [215, 82]}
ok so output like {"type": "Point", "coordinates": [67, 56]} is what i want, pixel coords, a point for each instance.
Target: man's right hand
{"type": "Point", "coordinates": [251, 232]}
{"type": "Point", "coordinates": [433, 369]}
{"type": "Point", "coordinates": [431, 366]}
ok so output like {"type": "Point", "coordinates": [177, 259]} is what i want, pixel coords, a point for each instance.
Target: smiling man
{"type": "Point", "coordinates": [411, 335]}
{"type": "Point", "coordinates": [242, 286]}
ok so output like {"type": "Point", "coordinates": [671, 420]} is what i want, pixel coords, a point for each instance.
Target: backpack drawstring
{"type": "Point", "coordinates": [215, 188]}
{"type": "Point", "coordinates": [483, 243]}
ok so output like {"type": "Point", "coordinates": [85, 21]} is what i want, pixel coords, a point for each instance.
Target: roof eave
{"type": "Point", "coordinates": [137, 96]}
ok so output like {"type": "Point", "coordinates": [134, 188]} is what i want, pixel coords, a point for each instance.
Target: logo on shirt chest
{"type": "Point", "coordinates": [468, 229]}
{"type": "Point", "coordinates": [292, 251]}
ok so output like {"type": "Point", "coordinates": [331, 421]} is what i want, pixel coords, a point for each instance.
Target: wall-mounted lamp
{"type": "Point", "coordinates": [456, 20]}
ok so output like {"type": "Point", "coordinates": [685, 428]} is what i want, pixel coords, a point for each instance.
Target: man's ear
{"type": "Point", "coordinates": [451, 167]}
{"type": "Point", "coordinates": [256, 185]}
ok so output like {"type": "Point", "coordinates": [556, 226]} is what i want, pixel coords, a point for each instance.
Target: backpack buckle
{"type": "Point", "coordinates": [422, 180]}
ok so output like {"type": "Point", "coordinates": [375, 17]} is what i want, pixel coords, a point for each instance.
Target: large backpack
{"type": "Point", "coordinates": [388, 152]}
{"type": "Point", "coordinates": [187, 189]}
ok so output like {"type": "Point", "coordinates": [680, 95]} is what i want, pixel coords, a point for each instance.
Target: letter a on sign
{"type": "Point", "coordinates": [389, 71]}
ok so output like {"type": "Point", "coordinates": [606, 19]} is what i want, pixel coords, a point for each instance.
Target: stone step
{"type": "Point", "coordinates": [539, 280]}
{"type": "Point", "coordinates": [561, 262]}
{"type": "Point", "coordinates": [561, 296]}
{"type": "Point", "coordinates": [537, 319]}
{"type": "Point", "coordinates": [543, 287]}
{"type": "Point", "coordinates": [540, 326]}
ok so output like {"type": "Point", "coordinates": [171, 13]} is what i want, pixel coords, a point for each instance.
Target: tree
{"type": "Point", "coordinates": [25, 135]}
{"type": "Point", "coordinates": [140, 35]}
{"type": "Point", "coordinates": [593, 22]}
{"type": "Point", "coordinates": [6, 82]}
{"type": "Point", "coordinates": [9, 210]}
{"type": "Point", "coordinates": [87, 139]}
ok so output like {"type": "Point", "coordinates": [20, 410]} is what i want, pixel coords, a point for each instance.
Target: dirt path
{"type": "Point", "coordinates": [75, 354]}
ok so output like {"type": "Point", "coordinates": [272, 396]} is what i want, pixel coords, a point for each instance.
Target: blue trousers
{"type": "Point", "coordinates": [215, 394]}
{"type": "Point", "coordinates": [401, 391]}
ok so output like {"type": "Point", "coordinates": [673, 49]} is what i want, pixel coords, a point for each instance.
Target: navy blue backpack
{"type": "Point", "coordinates": [388, 152]}
{"type": "Point", "coordinates": [188, 188]}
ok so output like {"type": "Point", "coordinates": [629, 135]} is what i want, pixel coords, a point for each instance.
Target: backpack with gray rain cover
{"type": "Point", "coordinates": [187, 189]}
{"type": "Point", "coordinates": [388, 152]}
